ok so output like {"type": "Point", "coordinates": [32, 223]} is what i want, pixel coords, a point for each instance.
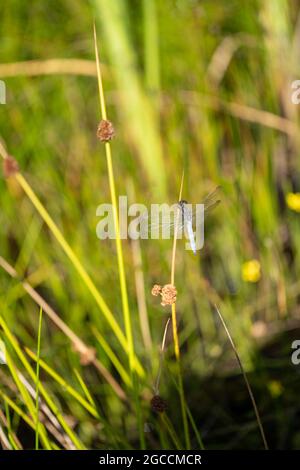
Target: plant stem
{"type": "Point", "coordinates": [246, 380]}
{"type": "Point", "coordinates": [151, 46]}
{"type": "Point", "coordinates": [37, 380]}
{"type": "Point", "coordinates": [175, 332]}
{"type": "Point", "coordinates": [123, 286]}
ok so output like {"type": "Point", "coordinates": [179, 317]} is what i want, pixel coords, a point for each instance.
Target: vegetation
{"type": "Point", "coordinates": [195, 88]}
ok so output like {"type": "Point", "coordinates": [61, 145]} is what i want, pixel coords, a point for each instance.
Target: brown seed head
{"type": "Point", "coordinates": [105, 131]}
{"type": "Point", "coordinates": [10, 166]}
{"type": "Point", "coordinates": [168, 294]}
{"type": "Point", "coordinates": [158, 404]}
{"type": "Point", "coordinates": [156, 290]}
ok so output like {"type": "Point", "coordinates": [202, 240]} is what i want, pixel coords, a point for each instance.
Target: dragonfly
{"type": "Point", "coordinates": [186, 219]}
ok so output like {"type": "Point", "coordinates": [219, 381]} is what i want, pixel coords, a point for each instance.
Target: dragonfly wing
{"type": "Point", "coordinates": [211, 206]}
{"type": "Point", "coordinates": [212, 199]}
{"type": "Point", "coordinates": [148, 225]}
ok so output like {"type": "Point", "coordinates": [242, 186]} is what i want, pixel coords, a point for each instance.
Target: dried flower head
{"type": "Point", "coordinates": [156, 290]}
{"type": "Point", "coordinates": [158, 404]}
{"type": "Point", "coordinates": [168, 294]}
{"type": "Point", "coordinates": [105, 131]}
{"type": "Point", "coordinates": [10, 166]}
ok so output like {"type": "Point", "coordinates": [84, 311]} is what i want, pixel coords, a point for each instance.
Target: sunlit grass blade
{"type": "Point", "coordinates": [112, 356]}
{"type": "Point", "coordinates": [27, 401]}
{"type": "Point", "coordinates": [68, 388]}
{"type": "Point", "coordinates": [17, 410]}
{"type": "Point", "coordinates": [43, 391]}
{"type": "Point", "coordinates": [121, 267]}
{"type": "Point", "coordinates": [15, 443]}
{"type": "Point", "coordinates": [78, 266]}
{"type": "Point", "coordinates": [139, 118]}
{"type": "Point", "coordinates": [38, 379]}
{"type": "Point", "coordinates": [5, 443]}
{"type": "Point", "coordinates": [84, 388]}
{"type": "Point", "coordinates": [175, 332]}
{"type": "Point", "coordinates": [79, 345]}
{"type": "Point", "coordinates": [151, 45]}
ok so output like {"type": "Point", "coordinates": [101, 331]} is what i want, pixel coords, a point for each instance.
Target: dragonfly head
{"type": "Point", "coordinates": [182, 203]}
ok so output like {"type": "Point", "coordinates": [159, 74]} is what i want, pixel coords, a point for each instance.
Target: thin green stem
{"type": "Point", "coordinates": [37, 380]}
{"type": "Point", "coordinates": [121, 268]}
{"type": "Point", "coordinates": [259, 422]}
{"type": "Point", "coordinates": [151, 45]}
{"type": "Point", "coordinates": [175, 332]}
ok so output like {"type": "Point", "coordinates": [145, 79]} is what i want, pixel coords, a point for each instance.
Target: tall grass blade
{"type": "Point", "coordinates": [122, 276]}
{"type": "Point", "coordinates": [261, 429]}
{"type": "Point", "coordinates": [38, 379]}
{"type": "Point", "coordinates": [134, 103]}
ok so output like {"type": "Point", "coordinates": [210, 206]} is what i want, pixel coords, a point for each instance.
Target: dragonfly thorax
{"type": "Point", "coordinates": [186, 210]}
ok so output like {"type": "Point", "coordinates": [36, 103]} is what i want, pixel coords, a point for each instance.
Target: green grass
{"type": "Point", "coordinates": [202, 87]}
{"type": "Point", "coordinates": [38, 378]}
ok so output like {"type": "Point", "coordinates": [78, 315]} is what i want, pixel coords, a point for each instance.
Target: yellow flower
{"type": "Point", "coordinates": [251, 271]}
{"type": "Point", "coordinates": [293, 201]}
{"type": "Point", "coordinates": [275, 388]}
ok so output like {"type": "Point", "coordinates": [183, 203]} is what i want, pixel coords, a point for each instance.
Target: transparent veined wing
{"type": "Point", "coordinates": [209, 202]}
{"type": "Point", "coordinates": [149, 224]}
{"type": "Point", "coordinates": [212, 199]}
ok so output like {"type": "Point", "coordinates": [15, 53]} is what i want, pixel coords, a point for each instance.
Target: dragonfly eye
{"type": "Point", "coordinates": [182, 202]}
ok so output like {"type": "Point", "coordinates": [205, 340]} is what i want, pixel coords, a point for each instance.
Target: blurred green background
{"type": "Point", "coordinates": [196, 85]}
